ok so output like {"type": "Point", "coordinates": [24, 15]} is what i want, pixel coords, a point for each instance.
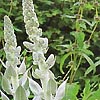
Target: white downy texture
{"type": "Point", "coordinates": [11, 79]}
{"type": "Point", "coordinates": [29, 45]}
{"type": "Point", "coordinates": [11, 49]}
{"type": "Point", "coordinates": [39, 47]}
{"type": "Point", "coordinates": [22, 68]}
{"type": "Point", "coordinates": [61, 91]}
{"type": "Point", "coordinates": [35, 87]}
{"type": "Point", "coordinates": [50, 61]}
{"type": "Point", "coordinates": [20, 94]}
{"type": "Point", "coordinates": [37, 98]}
{"type": "Point", "coordinates": [3, 96]}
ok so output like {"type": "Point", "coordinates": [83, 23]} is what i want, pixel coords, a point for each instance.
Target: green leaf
{"type": "Point", "coordinates": [95, 95]}
{"type": "Point", "coordinates": [63, 60]}
{"type": "Point", "coordinates": [86, 91]}
{"type": "Point", "coordinates": [83, 25]}
{"type": "Point", "coordinates": [97, 63]}
{"type": "Point", "coordinates": [71, 91]}
{"type": "Point", "coordinates": [89, 70]}
{"type": "Point", "coordinates": [92, 65]}
{"type": "Point", "coordinates": [20, 94]}
{"type": "Point", "coordinates": [68, 16]}
{"type": "Point", "coordinates": [55, 12]}
{"type": "Point", "coordinates": [87, 52]}
{"type": "Point", "coordinates": [17, 29]}
{"type": "Point", "coordinates": [3, 11]}
{"type": "Point", "coordinates": [88, 6]}
{"type": "Point", "coordinates": [79, 36]}
{"type": "Point", "coordinates": [86, 21]}
{"type": "Point", "coordinates": [48, 2]}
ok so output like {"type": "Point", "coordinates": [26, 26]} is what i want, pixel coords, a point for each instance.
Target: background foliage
{"type": "Point", "coordinates": [58, 20]}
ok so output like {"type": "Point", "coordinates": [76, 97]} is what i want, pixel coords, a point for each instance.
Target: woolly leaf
{"type": "Point", "coordinates": [35, 87]}
{"type": "Point", "coordinates": [20, 94]}
{"type": "Point", "coordinates": [22, 67]}
{"type": "Point", "coordinates": [60, 91]}
{"type": "Point", "coordinates": [50, 61]}
{"type": "Point", "coordinates": [4, 97]}
{"type": "Point", "coordinates": [52, 86]}
{"type": "Point", "coordinates": [6, 85]}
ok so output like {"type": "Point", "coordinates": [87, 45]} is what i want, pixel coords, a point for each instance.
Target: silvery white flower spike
{"type": "Point", "coordinates": [9, 35]}
{"type": "Point", "coordinates": [39, 47]}
{"type": "Point", "coordinates": [11, 82]}
{"type": "Point", "coordinates": [11, 49]}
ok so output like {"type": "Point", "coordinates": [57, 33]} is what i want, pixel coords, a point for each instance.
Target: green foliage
{"type": "Point", "coordinates": [71, 91]}
{"type": "Point", "coordinates": [72, 27]}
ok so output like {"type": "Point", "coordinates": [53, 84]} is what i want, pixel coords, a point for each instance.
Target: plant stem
{"type": "Point", "coordinates": [93, 32]}
{"type": "Point", "coordinates": [10, 7]}
{"type": "Point", "coordinates": [73, 75]}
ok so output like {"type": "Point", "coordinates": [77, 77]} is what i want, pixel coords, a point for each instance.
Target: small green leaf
{"type": "Point", "coordinates": [87, 52]}
{"type": "Point", "coordinates": [87, 22]}
{"type": "Point", "coordinates": [86, 91]}
{"type": "Point", "coordinates": [79, 36]}
{"type": "Point", "coordinates": [97, 63]}
{"type": "Point", "coordinates": [17, 29]}
{"type": "Point", "coordinates": [68, 16]}
{"type": "Point", "coordinates": [63, 60]}
{"type": "Point", "coordinates": [92, 65]}
{"type": "Point", "coordinates": [3, 11]}
{"type": "Point", "coordinates": [48, 2]}
{"type": "Point", "coordinates": [89, 70]}
{"type": "Point", "coordinates": [95, 95]}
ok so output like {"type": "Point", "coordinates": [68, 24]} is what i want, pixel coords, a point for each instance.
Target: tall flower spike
{"type": "Point", "coordinates": [31, 20]}
{"type": "Point", "coordinates": [39, 48]}
{"type": "Point", "coordinates": [11, 49]}
{"type": "Point", "coordinates": [9, 35]}
{"type": "Point", "coordinates": [11, 82]}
